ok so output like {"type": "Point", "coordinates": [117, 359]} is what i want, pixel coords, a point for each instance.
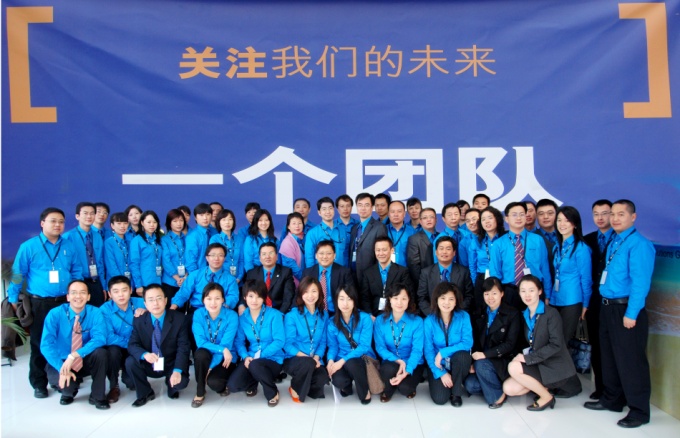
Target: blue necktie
{"type": "Point", "coordinates": [156, 339]}
{"type": "Point", "coordinates": [445, 275]}
{"type": "Point", "coordinates": [601, 243]}
{"type": "Point", "coordinates": [89, 248]}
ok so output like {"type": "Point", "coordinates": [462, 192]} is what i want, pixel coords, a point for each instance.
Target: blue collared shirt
{"type": "Point", "coordinates": [119, 322]}
{"type": "Point", "coordinates": [196, 244]}
{"type": "Point", "coordinates": [145, 255]}
{"type": "Point", "coordinates": [551, 236]}
{"type": "Point", "coordinates": [416, 228]}
{"type": "Point", "coordinates": [384, 272]}
{"type": "Point", "coordinates": [531, 321]}
{"type": "Point", "coordinates": [192, 288]}
{"type": "Point", "coordinates": [33, 264]}
{"type": "Point", "coordinates": [117, 258]}
{"type": "Point", "coordinates": [630, 264]}
{"type": "Point", "coordinates": [305, 332]}
{"type": "Point", "coordinates": [234, 256]}
{"type": "Point", "coordinates": [459, 338]}
{"type": "Point", "coordinates": [55, 344]}
{"type": "Point", "coordinates": [77, 237]}
{"type": "Point", "coordinates": [400, 242]}
{"type": "Point", "coordinates": [337, 234]}
{"type": "Point", "coordinates": [173, 256]}
{"type": "Point", "coordinates": [401, 340]}
{"type": "Point", "coordinates": [573, 271]}
{"type": "Point", "coordinates": [362, 333]}
{"type": "Point", "coordinates": [329, 292]}
{"type": "Point", "coordinates": [502, 264]}
{"type": "Point", "coordinates": [479, 253]}
{"type": "Point", "coordinates": [490, 316]}
{"type": "Point", "coordinates": [265, 334]}
{"type": "Point", "coordinates": [216, 334]}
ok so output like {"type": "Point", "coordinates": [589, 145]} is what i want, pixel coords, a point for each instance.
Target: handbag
{"type": "Point", "coordinates": [375, 382]}
{"type": "Point", "coordinates": [580, 349]}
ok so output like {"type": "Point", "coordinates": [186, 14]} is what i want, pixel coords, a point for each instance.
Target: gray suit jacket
{"type": "Point", "coordinates": [365, 247]}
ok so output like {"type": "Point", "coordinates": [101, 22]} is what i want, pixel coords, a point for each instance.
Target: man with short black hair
{"type": "Point", "coordinates": [451, 216]}
{"type": "Point", "coordinates": [420, 248]}
{"type": "Point", "coordinates": [278, 278]}
{"type": "Point", "coordinates": [399, 232]}
{"type": "Point", "coordinates": [250, 210]}
{"type": "Point", "coordinates": [382, 205]}
{"type": "Point", "coordinates": [546, 212]}
{"type": "Point", "coordinates": [216, 207]}
{"type": "Point", "coordinates": [198, 240]}
{"type": "Point", "coordinates": [331, 275]}
{"type": "Point", "coordinates": [378, 278]}
{"type": "Point", "coordinates": [302, 206]}
{"type": "Point", "coordinates": [344, 204]}
{"type": "Point", "coordinates": [328, 229]}
{"type": "Point", "coordinates": [363, 235]}
{"type": "Point", "coordinates": [531, 216]}
{"type": "Point", "coordinates": [413, 207]}
{"type": "Point", "coordinates": [102, 211]}
{"type": "Point", "coordinates": [480, 201]}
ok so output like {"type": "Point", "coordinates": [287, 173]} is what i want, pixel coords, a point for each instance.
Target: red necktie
{"type": "Point", "coordinates": [268, 282]}
{"type": "Point", "coordinates": [76, 344]}
{"type": "Point", "coordinates": [324, 289]}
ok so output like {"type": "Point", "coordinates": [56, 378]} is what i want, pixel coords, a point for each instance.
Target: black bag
{"type": "Point", "coordinates": [580, 349]}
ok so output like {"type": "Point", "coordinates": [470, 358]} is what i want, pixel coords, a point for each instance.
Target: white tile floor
{"type": "Point", "coordinates": [237, 416]}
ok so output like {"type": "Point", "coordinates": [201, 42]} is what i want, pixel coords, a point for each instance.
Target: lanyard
{"type": "Point", "coordinates": [558, 261]}
{"type": "Point", "coordinates": [350, 332]}
{"type": "Point", "coordinates": [252, 326]}
{"type": "Point", "coordinates": [122, 249]}
{"type": "Point", "coordinates": [132, 306]}
{"type": "Point", "coordinates": [90, 256]}
{"type": "Point", "coordinates": [56, 254]}
{"type": "Point", "coordinates": [211, 335]}
{"type": "Point", "coordinates": [397, 342]}
{"type": "Point", "coordinates": [311, 332]}
{"type": "Point", "coordinates": [399, 232]}
{"type": "Point", "coordinates": [617, 248]}
{"type": "Point", "coordinates": [229, 244]}
{"type": "Point", "coordinates": [152, 242]}
{"type": "Point", "coordinates": [531, 323]}
{"type": "Point", "coordinates": [446, 328]}
{"type": "Point", "coordinates": [180, 252]}
{"type": "Point", "coordinates": [330, 236]}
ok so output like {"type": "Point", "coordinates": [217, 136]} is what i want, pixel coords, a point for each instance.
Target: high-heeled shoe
{"type": "Point", "coordinates": [535, 407]}
{"type": "Point", "coordinates": [498, 404]}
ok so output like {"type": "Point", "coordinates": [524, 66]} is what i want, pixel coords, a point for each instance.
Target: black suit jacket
{"type": "Point", "coordinates": [419, 254]}
{"type": "Point", "coordinates": [598, 260]}
{"type": "Point", "coordinates": [175, 344]}
{"type": "Point", "coordinates": [430, 277]}
{"type": "Point", "coordinates": [551, 247]}
{"type": "Point", "coordinates": [503, 340]}
{"type": "Point", "coordinates": [340, 276]}
{"type": "Point", "coordinates": [366, 247]}
{"type": "Point", "coordinates": [282, 289]}
{"type": "Point", "coordinates": [372, 287]}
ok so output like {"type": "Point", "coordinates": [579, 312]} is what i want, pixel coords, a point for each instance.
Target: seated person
{"type": "Point", "coordinates": [277, 278]}
{"type": "Point", "coordinates": [72, 340]}
{"type": "Point", "coordinates": [331, 275]}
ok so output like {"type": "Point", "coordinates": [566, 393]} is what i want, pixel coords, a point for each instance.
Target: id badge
{"type": "Point", "coordinates": [232, 270]}
{"type": "Point", "coordinates": [181, 271]}
{"type": "Point", "coordinates": [159, 271]}
{"type": "Point", "coordinates": [54, 276]}
{"type": "Point", "coordinates": [93, 270]}
{"type": "Point", "coordinates": [526, 351]}
{"type": "Point", "coordinates": [381, 304]}
{"type": "Point", "coordinates": [487, 274]}
{"type": "Point", "coordinates": [354, 257]}
{"type": "Point", "coordinates": [159, 365]}
{"type": "Point", "coordinates": [557, 285]}
{"type": "Point", "coordinates": [393, 258]}
{"type": "Point", "coordinates": [128, 275]}
{"type": "Point", "coordinates": [527, 271]}
{"type": "Point", "coordinates": [257, 355]}
{"type": "Point", "coordinates": [604, 277]}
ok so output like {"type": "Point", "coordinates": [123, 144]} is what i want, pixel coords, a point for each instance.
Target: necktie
{"type": "Point", "coordinates": [101, 233]}
{"type": "Point", "coordinates": [76, 344]}
{"type": "Point", "coordinates": [268, 282]}
{"type": "Point", "coordinates": [211, 279]}
{"type": "Point", "coordinates": [445, 275]}
{"type": "Point", "coordinates": [324, 289]}
{"type": "Point", "coordinates": [601, 242]}
{"type": "Point", "coordinates": [156, 339]}
{"type": "Point", "coordinates": [432, 237]}
{"type": "Point", "coordinates": [89, 248]}
{"type": "Point", "coordinates": [519, 260]}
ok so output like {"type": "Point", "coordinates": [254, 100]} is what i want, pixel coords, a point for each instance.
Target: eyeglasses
{"type": "Point", "coordinates": [216, 256]}
{"type": "Point", "coordinates": [517, 215]}
{"type": "Point", "coordinates": [55, 222]}
{"type": "Point", "coordinates": [326, 209]}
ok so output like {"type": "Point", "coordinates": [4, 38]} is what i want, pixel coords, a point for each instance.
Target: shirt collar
{"type": "Point", "coordinates": [626, 233]}
{"type": "Point", "coordinates": [607, 234]}
{"type": "Point", "coordinates": [72, 314]}
{"type": "Point", "coordinates": [44, 239]}
{"type": "Point", "coordinates": [441, 268]}
{"type": "Point", "coordinates": [540, 310]}
{"type": "Point", "coordinates": [387, 268]}
{"type": "Point", "coordinates": [160, 320]}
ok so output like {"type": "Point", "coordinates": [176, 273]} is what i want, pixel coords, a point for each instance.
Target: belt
{"type": "Point", "coordinates": [90, 280]}
{"type": "Point", "coordinates": [609, 301]}
{"type": "Point", "coordinates": [61, 299]}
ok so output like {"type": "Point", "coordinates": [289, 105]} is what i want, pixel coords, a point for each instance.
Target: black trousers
{"type": "Point", "coordinates": [95, 365]}
{"type": "Point", "coordinates": [141, 370]}
{"type": "Point", "coordinates": [97, 297]}
{"type": "Point", "coordinates": [216, 378]}
{"type": "Point", "coordinates": [262, 371]}
{"type": "Point", "coordinates": [625, 370]}
{"type": "Point", "coordinates": [307, 379]}
{"type": "Point", "coordinates": [570, 316]}
{"type": "Point", "coordinates": [353, 370]}
{"type": "Point", "coordinates": [37, 363]}
{"type": "Point", "coordinates": [170, 292]}
{"type": "Point", "coordinates": [511, 296]}
{"type": "Point", "coordinates": [480, 305]}
{"type": "Point", "coordinates": [460, 368]}
{"type": "Point", "coordinates": [388, 369]}
{"type": "Point", "coordinates": [593, 320]}
{"type": "Point", "coordinates": [116, 360]}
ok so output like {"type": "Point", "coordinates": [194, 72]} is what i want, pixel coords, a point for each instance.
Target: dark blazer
{"type": "Point", "coordinates": [175, 344]}
{"type": "Point", "coordinates": [430, 277]}
{"type": "Point", "coordinates": [340, 276]}
{"type": "Point", "coordinates": [551, 247]}
{"type": "Point", "coordinates": [549, 350]}
{"type": "Point", "coordinates": [372, 287]}
{"type": "Point", "coordinates": [502, 342]}
{"type": "Point", "coordinates": [365, 248]}
{"type": "Point", "coordinates": [419, 255]}
{"type": "Point", "coordinates": [598, 260]}
{"type": "Point", "coordinates": [282, 289]}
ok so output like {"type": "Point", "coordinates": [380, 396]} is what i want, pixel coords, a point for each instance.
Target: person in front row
{"type": "Point", "coordinates": [497, 332]}
{"type": "Point", "coordinates": [72, 341]}
{"type": "Point", "coordinates": [398, 336]}
{"type": "Point", "coordinates": [159, 347]}
{"type": "Point", "coordinates": [349, 338]}
{"type": "Point", "coordinates": [546, 363]}
{"type": "Point", "coordinates": [306, 342]}
{"type": "Point", "coordinates": [259, 342]}
{"type": "Point", "coordinates": [214, 328]}
{"type": "Point", "coordinates": [118, 313]}
{"type": "Point", "coordinates": [448, 340]}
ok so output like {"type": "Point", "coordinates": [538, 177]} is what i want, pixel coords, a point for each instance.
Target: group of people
{"type": "Point", "coordinates": [473, 308]}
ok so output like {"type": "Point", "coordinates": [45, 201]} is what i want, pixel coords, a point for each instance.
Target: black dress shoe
{"type": "Point", "coordinates": [142, 401]}
{"type": "Point", "coordinates": [630, 423]}
{"type": "Point", "coordinates": [365, 401]}
{"type": "Point", "coordinates": [65, 400]}
{"type": "Point", "coordinates": [40, 393]}
{"type": "Point", "coordinates": [595, 395]}
{"type": "Point", "coordinates": [496, 405]}
{"type": "Point", "coordinates": [456, 401]}
{"type": "Point", "coordinates": [597, 406]}
{"type": "Point", "coordinates": [99, 404]}
{"type": "Point", "coordinates": [173, 395]}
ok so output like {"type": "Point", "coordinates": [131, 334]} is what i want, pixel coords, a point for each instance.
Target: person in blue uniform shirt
{"type": "Point", "coordinates": [133, 214]}
{"type": "Point", "coordinates": [158, 348]}
{"type": "Point", "coordinates": [259, 342]}
{"type": "Point", "coordinates": [546, 214]}
{"type": "Point", "coordinates": [362, 239]}
{"type": "Point", "coordinates": [227, 237]}
{"type": "Point", "coordinates": [350, 334]}
{"type": "Point", "coordinates": [379, 278]}
{"type": "Point", "coordinates": [399, 232]}
{"type": "Point", "coordinates": [302, 206]}
{"type": "Point", "coordinates": [488, 233]}
{"type": "Point", "coordinates": [214, 328]}
{"type": "Point", "coordinates": [448, 340]}
{"type": "Point", "coordinates": [420, 247]}
{"type": "Point", "coordinates": [89, 246]}
{"type": "Point", "coordinates": [344, 204]}
{"type": "Point", "coordinates": [216, 207]}
{"type": "Point", "coordinates": [624, 327]}
{"type": "Point", "coordinates": [531, 226]}
{"type": "Point", "coordinates": [480, 201]}
{"type": "Point", "coordinates": [72, 342]}
{"type": "Point", "coordinates": [328, 229]}
{"type": "Point", "coordinates": [398, 336]}
{"type": "Point", "coordinates": [382, 205]}
{"type": "Point", "coordinates": [414, 207]}
{"type": "Point", "coordinates": [101, 214]}
{"type": "Point", "coordinates": [464, 206]}
{"type": "Point", "coordinates": [250, 210]}
{"type": "Point", "coordinates": [305, 346]}
{"type": "Point", "coordinates": [261, 231]}
{"type": "Point", "coordinates": [519, 253]}
{"type": "Point", "coordinates": [198, 239]}
{"type": "Point", "coordinates": [497, 335]}
{"type": "Point", "coordinates": [186, 211]}
{"type": "Point", "coordinates": [118, 313]}
{"type": "Point", "coordinates": [598, 241]}
{"type": "Point", "coordinates": [46, 263]}
{"type": "Point", "coordinates": [472, 218]}
{"type": "Point", "coordinates": [451, 215]}
{"type": "Point", "coordinates": [146, 253]}
{"type": "Point", "coordinates": [174, 248]}
{"type": "Point", "coordinates": [330, 274]}
{"type": "Point", "coordinates": [117, 249]}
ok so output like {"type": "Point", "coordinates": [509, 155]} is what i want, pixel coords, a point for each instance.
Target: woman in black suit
{"type": "Point", "coordinates": [497, 332]}
{"type": "Point", "coordinates": [546, 363]}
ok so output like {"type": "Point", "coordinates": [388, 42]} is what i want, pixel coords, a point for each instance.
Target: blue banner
{"type": "Point", "coordinates": [161, 103]}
